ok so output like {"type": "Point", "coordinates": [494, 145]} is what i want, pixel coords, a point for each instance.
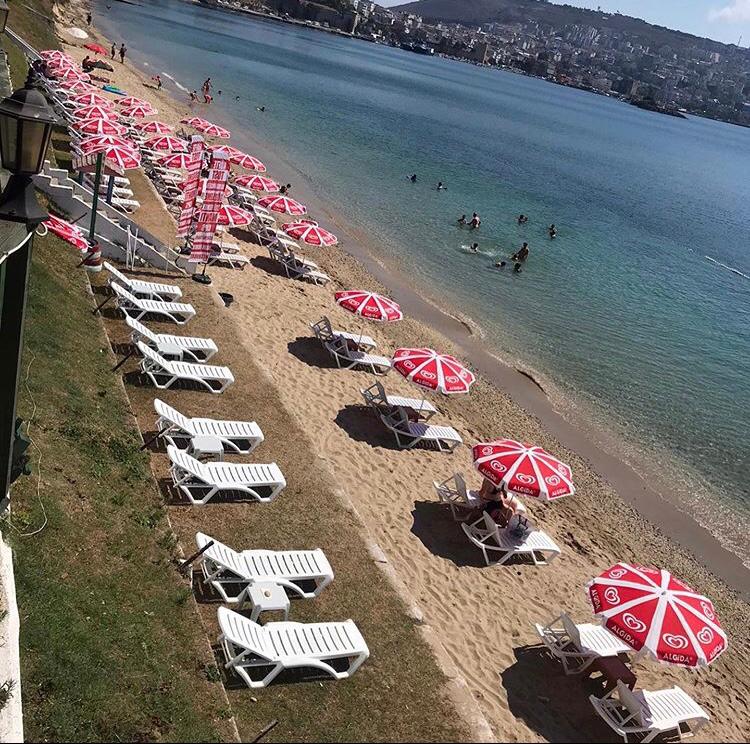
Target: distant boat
{"type": "Point", "coordinates": [417, 48]}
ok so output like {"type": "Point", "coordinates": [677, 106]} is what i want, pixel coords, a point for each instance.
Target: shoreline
{"type": "Point", "coordinates": [602, 451]}
{"type": "Point", "coordinates": [570, 429]}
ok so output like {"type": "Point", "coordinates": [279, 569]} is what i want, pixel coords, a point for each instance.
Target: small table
{"type": "Point", "coordinates": [265, 596]}
{"type": "Point", "coordinates": [207, 448]}
{"type": "Point", "coordinates": [171, 351]}
{"type": "Point", "coordinates": [613, 669]}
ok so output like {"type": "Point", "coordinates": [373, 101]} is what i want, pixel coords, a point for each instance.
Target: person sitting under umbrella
{"type": "Point", "coordinates": [498, 503]}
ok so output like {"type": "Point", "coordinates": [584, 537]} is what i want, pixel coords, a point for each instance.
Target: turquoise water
{"type": "Point", "coordinates": [622, 312]}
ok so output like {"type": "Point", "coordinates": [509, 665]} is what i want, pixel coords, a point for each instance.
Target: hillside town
{"type": "Point", "coordinates": [690, 75]}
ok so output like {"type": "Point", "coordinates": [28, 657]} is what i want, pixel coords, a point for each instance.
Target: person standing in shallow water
{"type": "Point", "coordinates": [123, 50]}
{"type": "Point", "coordinates": [113, 50]}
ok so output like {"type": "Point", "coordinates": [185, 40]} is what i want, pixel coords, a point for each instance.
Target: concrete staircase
{"type": "Point", "coordinates": [74, 200]}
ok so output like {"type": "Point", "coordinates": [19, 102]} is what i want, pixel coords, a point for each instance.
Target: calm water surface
{"type": "Point", "coordinates": [622, 313]}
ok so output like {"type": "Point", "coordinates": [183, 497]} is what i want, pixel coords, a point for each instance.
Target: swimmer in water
{"type": "Point", "coordinates": [552, 230]}
{"type": "Point", "coordinates": [461, 220]}
{"type": "Point", "coordinates": [522, 219]}
{"type": "Point", "coordinates": [413, 177]}
{"type": "Point", "coordinates": [474, 248]}
{"type": "Point", "coordinates": [517, 268]}
{"type": "Point", "coordinates": [475, 221]}
{"type": "Point", "coordinates": [500, 264]}
{"type": "Point", "coordinates": [522, 254]}
{"type": "Point", "coordinates": [440, 186]}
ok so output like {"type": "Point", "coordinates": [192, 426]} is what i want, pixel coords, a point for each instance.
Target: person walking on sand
{"type": "Point", "coordinates": [123, 50]}
{"type": "Point", "coordinates": [88, 18]}
{"type": "Point", "coordinates": [206, 90]}
{"type": "Point", "coordinates": [157, 80]}
{"type": "Point", "coordinates": [113, 50]}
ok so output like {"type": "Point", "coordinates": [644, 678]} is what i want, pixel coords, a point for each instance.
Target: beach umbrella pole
{"type": "Point", "coordinates": [95, 200]}
{"type": "Point", "coordinates": [110, 189]}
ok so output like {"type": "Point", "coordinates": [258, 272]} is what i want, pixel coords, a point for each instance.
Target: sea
{"type": "Point", "coordinates": [635, 318]}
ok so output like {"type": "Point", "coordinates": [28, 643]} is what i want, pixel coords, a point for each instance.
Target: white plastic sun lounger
{"type": "Point", "coordinates": [411, 433]}
{"type": "Point", "coordinates": [635, 713]}
{"type": "Point", "coordinates": [302, 572]}
{"type": "Point", "coordinates": [454, 493]}
{"type": "Point", "coordinates": [179, 312]}
{"type": "Point", "coordinates": [578, 646]}
{"type": "Point", "coordinates": [235, 260]}
{"type": "Point", "coordinates": [164, 373]}
{"type": "Point", "coordinates": [298, 267]}
{"type": "Point", "coordinates": [376, 397]}
{"type": "Point", "coordinates": [269, 649]}
{"type": "Point", "coordinates": [173, 347]}
{"type": "Point", "coordinates": [126, 205]}
{"type": "Point", "coordinates": [324, 332]}
{"type": "Point", "coordinates": [490, 538]}
{"type": "Point", "coordinates": [239, 437]}
{"type": "Point", "coordinates": [347, 358]}
{"type": "Point", "coordinates": [144, 290]}
{"type": "Point", "coordinates": [200, 482]}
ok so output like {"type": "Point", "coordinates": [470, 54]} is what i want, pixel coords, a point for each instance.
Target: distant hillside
{"type": "Point", "coordinates": [475, 12]}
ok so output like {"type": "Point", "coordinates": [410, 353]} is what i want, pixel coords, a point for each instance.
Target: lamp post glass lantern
{"type": "Point", "coordinates": [26, 123]}
{"type": "Point", "coordinates": [3, 15]}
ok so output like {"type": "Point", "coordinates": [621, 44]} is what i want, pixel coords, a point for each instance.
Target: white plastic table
{"type": "Point", "coordinates": [265, 596]}
{"type": "Point", "coordinates": [206, 447]}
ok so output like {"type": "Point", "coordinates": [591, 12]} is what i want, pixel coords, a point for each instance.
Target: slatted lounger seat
{"type": "Point", "coordinates": [411, 433]}
{"type": "Point", "coordinates": [454, 493]}
{"type": "Point", "coordinates": [169, 346]}
{"type": "Point", "coordinates": [578, 646]}
{"type": "Point", "coordinates": [258, 653]}
{"type": "Point", "coordinates": [178, 312]}
{"type": "Point", "coordinates": [239, 437]}
{"type": "Point", "coordinates": [200, 482]}
{"type": "Point", "coordinates": [324, 332]}
{"type": "Point", "coordinates": [491, 539]}
{"type": "Point", "coordinates": [297, 267]}
{"type": "Point", "coordinates": [302, 572]}
{"type": "Point", "coordinates": [164, 373]}
{"type": "Point", "coordinates": [376, 397]}
{"type": "Point", "coordinates": [235, 260]}
{"type": "Point", "coordinates": [347, 358]}
{"type": "Point", "coordinates": [633, 713]}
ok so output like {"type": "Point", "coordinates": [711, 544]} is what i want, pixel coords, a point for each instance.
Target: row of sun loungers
{"type": "Point", "coordinates": [640, 714]}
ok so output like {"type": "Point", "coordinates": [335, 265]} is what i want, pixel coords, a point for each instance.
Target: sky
{"type": "Point", "coordinates": [723, 20]}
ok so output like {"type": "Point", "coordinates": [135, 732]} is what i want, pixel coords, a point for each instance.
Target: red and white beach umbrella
{"type": "Point", "coordinates": [122, 156]}
{"type": "Point", "coordinates": [234, 216]}
{"type": "Point", "coordinates": [49, 54]}
{"type": "Point", "coordinates": [100, 126]}
{"type": "Point", "coordinates": [523, 469]}
{"type": "Point", "coordinates": [428, 369]}
{"type": "Point", "coordinates": [247, 161]}
{"type": "Point", "coordinates": [657, 614]}
{"type": "Point", "coordinates": [67, 231]}
{"type": "Point", "coordinates": [138, 112]}
{"type": "Point", "coordinates": [77, 86]}
{"type": "Point", "coordinates": [71, 73]}
{"type": "Point", "coordinates": [175, 160]}
{"type": "Point", "coordinates": [128, 101]}
{"type": "Point", "coordinates": [90, 99]}
{"type": "Point", "coordinates": [309, 233]}
{"type": "Point", "coordinates": [257, 183]}
{"type": "Point", "coordinates": [153, 127]}
{"type": "Point", "coordinates": [282, 204]}
{"type": "Point", "coordinates": [369, 305]}
{"type": "Point", "coordinates": [106, 140]}
{"type": "Point", "coordinates": [167, 143]}
{"type": "Point", "coordinates": [95, 112]}
{"type": "Point", "coordinates": [194, 121]}
{"type": "Point", "coordinates": [213, 130]}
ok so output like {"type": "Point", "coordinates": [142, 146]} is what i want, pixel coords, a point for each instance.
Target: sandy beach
{"type": "Point", "coordinates": [481, 618]}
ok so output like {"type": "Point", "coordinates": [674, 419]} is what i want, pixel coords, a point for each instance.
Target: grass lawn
{"type": "Point", "coordinates": [111, 644]}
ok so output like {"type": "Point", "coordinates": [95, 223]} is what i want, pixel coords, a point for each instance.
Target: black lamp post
{"type": "Point", "coordinates": [26, 123]}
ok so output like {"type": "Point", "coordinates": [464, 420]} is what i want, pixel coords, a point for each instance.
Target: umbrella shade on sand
{"type": "Point", "coordinates": [433, 371]}
{"type": "Point", "coordinates": [658, 615]}
{"type": "Point", "coordinates": [523, 469]}
{"type": "Point", "coordinates": [310, 233]}
{"type": "Point", "coordinates": [283, 205]}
